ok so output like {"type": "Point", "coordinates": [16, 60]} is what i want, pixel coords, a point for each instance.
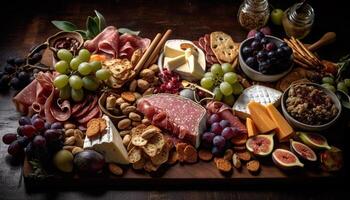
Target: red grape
{"type": "Point", "coordinates": [224, 123]}
{"type": "Point", "coordinates": [216, 151]}
{"type": "Point", "coordinates": [38, 123]}
{"type": "Point", "coordinates": [208, 137]}
{"type": "Point", "coordinates": [216, 128]}
{"type": "Point", "coordinates": [24, 121]}
{"type": "Point", "coordinates": [227, 133]}
{"type": "Point", "coordinates": [219, 141]}
{"type": "Point", "coordinates": [9, 138]}
{"type": "Point", "coordinates": [20, 130]}
{"type": "Point", "coordinates": [47, 125]}
{"type": "Point", "coordinates": [39, 141]}
{"type": "Point", "coordinates": [213, 118]}
{"type": "Point", "coordinates": [15, 149]}
{"type": "Point", "coordinates": [270, 46]}
{"type": "Point", "coordinates": [52, 134]}
{"type": "Point", "coordinates": [56, 125]}
{"type": "Point", "coordinates": [28, 130]}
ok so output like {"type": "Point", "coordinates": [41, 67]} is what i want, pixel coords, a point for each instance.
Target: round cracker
{"type": "Point", "coordinates": [150, 149]}
{"type": "Point", "coordinates": [135, 155]}
{"type": "Point", "coordinates": [138, 141]}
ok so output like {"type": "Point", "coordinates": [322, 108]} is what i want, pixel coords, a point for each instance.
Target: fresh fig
{"type": "Point", "coordinates": [313, 140]}
{"type": "Point", "coordinates": [286, 159]}
{"type": "Point", "coordinates": [303, 151]}
{"type": "Point", "coordinates": [332, 159]}
{"type": "Point", "coordinates": [260, 145]}
{"type": "Point", "coordinates": [89, 161]}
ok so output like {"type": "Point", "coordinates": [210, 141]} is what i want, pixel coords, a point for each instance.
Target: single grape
{"type": "Point", "coordinates": [20, 130]}
{"type": "Point", "coordinates": [216, 151]}
{"type": "Point", "coordinates": [35, 116]}
{"type": "Point", "coordinates": [247, 51]}
{"type": "Point", "coordinates": [39, 123]}
{"type": "Point", "coordinates": [51, 135]}
{"type": "Point", "coordinates": [65, 92]}
{"type": "Point", "coordinates": [15, 83]}
{"type": "Point", "coordinates": [219, 141]}
{"type": "Point", "coordinates": [342, 87]}
{"type": "Point", "coordinates": [287, 50]}
{"type": "Point", "coordinates": [213, 118]}
{"type": "Point", "coordinates": [261, 56]}
{"type": "Point", "coordinates": [23, 141]}
{"type": "Point", "coordinates": [9, 138]}
{"type": "Point", "coordinates": [84, 55]}
{"type": "Point", "coordinates": [209, 74]}
{"type": "Point", "coordinates": [237, 88]}
{"type": "Point", "coordinates": [224, 123]}
{"type": "Point", "coordinates": [259, 35]}
{"type": "Point", "coordinates": [226, 67]}
{"type": "Point", "coordinates": [24, 120]}
{"type": "Point", "coordinates": [47, 125]}
{"type": "Point", "coordinates": [90, 83]}
{"type": "Point", "coordinates": [15, 149]}
{"type": "Point", "coordinates": [77, 95]}
{"type": "Point", "coordinates": [251, 62]}
{"type": "Point", "coordinates": [329, 87]}
{"type": "Point", "coordinates": [229, 100]}
{"type": "Point", "coordinates": [230, 77]}
{"type": "Point", "coordinates": [74, 63]}
{"type": "Point", "coordinates": [96, 65]}
{"type": "Point", "coordinates": [270, 46]}
{"type": "Point", "coordinates": [216, 128]}
{"type": "Point", "coordinates": [207, 83]}
{"type": "Point", "coordinates": [10, 69]}
{"type": "Point", "coordinates": [39, 141]}
{"type": "Point", "coordinates": [65, 55]}
{"type": "Point", "coordinates": [280, 52]}
{"type": "Point", "coordinates": [328, 79]}
{"type": "Point", "coordinates": [256, 45]}
{"type": "Point", "coordinates": [347, 82]}
{"type": "Point", "coordinates": [56, 125]}
{"type": "Point", "coordinates": [225, 88]}
{"type": "Point", "coordinates": [61, 67]}
{"type": "Point", "coordinates": [217, 94]}
{"type": "Point", "coordinates": [227, 133]}
{"type": "Point", "coordinates": [29, 130]}
{"type": "Point", "coordinates": [216, 70]}
{"type": "Point", "coordinates": [60, 81]}
{"type": "Point", "coordinates": [23, 76]}
{"type": "Point", "coordinates": [84, 68]}
{"type": "Point", "coordinates": [75, 82]}
{"type": "Point", "coordinates": [103, 74]}
{"type": "Point", "coordinates": [264, 41]}
{"type": "Point", "coordinates": [208, 137]}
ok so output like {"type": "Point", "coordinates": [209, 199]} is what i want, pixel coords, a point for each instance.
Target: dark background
{"type": "Point", "coordinates": [27, 23]}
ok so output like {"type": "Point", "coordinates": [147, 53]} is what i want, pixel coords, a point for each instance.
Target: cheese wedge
{"type": "Point", "coordinates": [172, 50]}
{"type": "Point", "coordinates": [284, 130]}
{"type": "Point", "coordinates": [251, 127]}
{"type": "Point", "coordinates": [260, 117]}
{"type": "Point", "coordinates": [110, 145]}
{"type": "Point", "coordinates": [174, 63]}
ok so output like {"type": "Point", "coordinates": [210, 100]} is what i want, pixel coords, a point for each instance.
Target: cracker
{"type": "Point", "coordinates": [139, 164]}
{"type": "Point", "coordinates": [158, 140]}
{"type": "Point", "coordinates": [149, 133]}
{"type": "Point", "coordinates": [93, 129]}
{"type": "Point", "coordinates": [205, 155]}
{"type": "Point", "coordinates": [223, 165]}
{"type": "Point", "coordinates": [134, 155]}
{"type": "Point", "coordinates": [223, 47]}
{"type": "Point", "coordinates": [138, 141]}
{"type": "Point", "coordinates": [180, 148]}
{"type": "Point", "coordinates": [150, 149]}
{"type": "Point", "coordinates": [137, 130]}
{"type": "Point", "coordinates": [128, 96]}
{"type": "Point", "coordinates": [190, 154]}
{"type": "Point", "coordinates": [161, 157]}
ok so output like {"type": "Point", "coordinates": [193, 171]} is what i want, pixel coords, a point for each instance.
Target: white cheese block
{"type": "Point", "coordinates": [110, 144]}
{"type": "Point", "coordinates": [257, 93]}
{"type": "Point", "coordinates": [173, 63]}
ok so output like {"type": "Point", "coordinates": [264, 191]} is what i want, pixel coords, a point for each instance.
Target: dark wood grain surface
{"type": "Point", "coordinates": [25, 24]}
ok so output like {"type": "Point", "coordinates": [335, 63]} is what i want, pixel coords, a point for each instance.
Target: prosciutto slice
{"type": "Point", "coordinates": [109, 42]}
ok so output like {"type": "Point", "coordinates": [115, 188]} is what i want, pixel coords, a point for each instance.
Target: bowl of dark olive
{"type": "Point", "coordinates": [310, 107]}
{"type": "Point", "coordinates": [265, 58]}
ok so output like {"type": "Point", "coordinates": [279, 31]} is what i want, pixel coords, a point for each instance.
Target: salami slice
{"type": "Point", "coordinates": [94, 113]}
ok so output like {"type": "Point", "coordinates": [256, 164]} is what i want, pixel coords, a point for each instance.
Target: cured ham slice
{"type": "Point", "coordinates": [204, 44]}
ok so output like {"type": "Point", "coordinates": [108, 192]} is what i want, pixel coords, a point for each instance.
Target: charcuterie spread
{"type": "Point", "coordinates": [115, 98]}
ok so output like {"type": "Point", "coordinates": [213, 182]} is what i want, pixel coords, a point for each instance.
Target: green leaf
{"type": "Point", "coordinates": [126, 30]}
{"type": "Point", "coordinates": [82, 33]}
{"type": "Point", "coordinates": [64, 25]}
{"type": "Point", "coordinates": [101, 20]}
{"type": "Point", "coordinates": [346, 104]}
{"type": "Point", "coordinates": [92, 26]}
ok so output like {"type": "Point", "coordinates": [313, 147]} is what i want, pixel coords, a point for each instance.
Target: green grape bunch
{"type": "Point", "coordinates": [223, 82]}
{"type": "Point", "coordinates": [77, 74]}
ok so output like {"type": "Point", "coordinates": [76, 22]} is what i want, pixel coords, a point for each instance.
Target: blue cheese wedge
{"type": "Point", "coordinates": [109, 144]}
{"type": "Point", "coordinates": [257, 93]}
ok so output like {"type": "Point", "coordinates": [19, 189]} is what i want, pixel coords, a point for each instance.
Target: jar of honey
{"type": "Point", "coordinates": [298, 20]}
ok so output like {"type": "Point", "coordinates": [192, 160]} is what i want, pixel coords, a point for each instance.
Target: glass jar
{"type": "Point", "coordinates": [253, 14]}
{"type": "Point", "coordinates": [297, 20]}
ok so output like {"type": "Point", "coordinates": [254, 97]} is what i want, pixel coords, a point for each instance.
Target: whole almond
{"type": "Point", "coordinates": [77, 150]}
{"type": "Point", "coordinates": [125, 132]}
{"type": "Point", "coordinates": [144, 85]}
{"type": "Point", "coordinates": [115, 169]}
{"type": "Point", "coordinates": [147, 134]}
{"type": "Point", "coordinates": [69, 126]}
{"type": "Point", "coordinates": [69, 148]}
{"type": "Point", "coordinates": [126, 140]}
{"type": "Point", "coordinates": [78, 139]}
{"type": "Point", "coordinates": [120, 101]}
{"type": "Point", "coordinates": [134, 124]}
{"type": "Point", "coordinates": [137, 95]}
{"type": "Point", "coordinates": [77, 131]}
{"type": "Point", "coordinates": [128, 110]}
{"type": "Point", "coordinates": [134, 116]}
{"type": "Point", "coordinates": [124, 105]}
{"type": "Point", "coordinates": [69, 132]}
{"type": "Point", "coordinates": [149, 91]}
{"type": "Point", "coordinates": [124, 124]}
{"type": "Point", "coordinates": [145, 121]}
{"type": "Point", "coordinates": [146, 73]}
{"type": "Point", "coordinates": [154, 68]}
{"type": "Point", "coordinates": [133, 85]}
{"type": "Point", "coordinates": [69, 141]}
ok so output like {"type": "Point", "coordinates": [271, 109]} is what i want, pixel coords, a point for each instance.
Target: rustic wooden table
{"type": "Point", "coordinates": [25, 24]}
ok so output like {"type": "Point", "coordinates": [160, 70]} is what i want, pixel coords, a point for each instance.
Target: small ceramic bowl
{"type": "Point", "coordinates": [307, 127]}
{"type": "Point", "coordinates": [256, 75]}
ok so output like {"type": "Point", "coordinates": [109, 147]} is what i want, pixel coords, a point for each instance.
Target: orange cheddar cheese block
{"type": "Point", "coordinates": [260, 117]}
{"type": "Point", "coordinates": [251, 127]}
{"type": "Point", "coordinates": [284, 130]}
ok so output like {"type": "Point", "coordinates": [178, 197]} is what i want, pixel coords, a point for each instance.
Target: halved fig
{"type": "Point", "coordinates": [303, 151]}
{"type": "Point", "coordinates": [332, 159]}
{"type": "Point", "coordinates": [260, 145]}
{"type": "Point", "coordinates": [313, 140]}
{"type": "Point", "coordinates": [286, 159]}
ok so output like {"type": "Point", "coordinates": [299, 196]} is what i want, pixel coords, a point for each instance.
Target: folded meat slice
{"type": "Point", "coordinates": [106, 42]}
{"type": "Point", "coordinates": [180, 116]}
{"type": "Point", "coordinates": [129, 43]}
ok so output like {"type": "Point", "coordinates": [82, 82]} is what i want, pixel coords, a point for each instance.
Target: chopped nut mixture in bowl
{"type": "Point", "coordinates": [310, 106]}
